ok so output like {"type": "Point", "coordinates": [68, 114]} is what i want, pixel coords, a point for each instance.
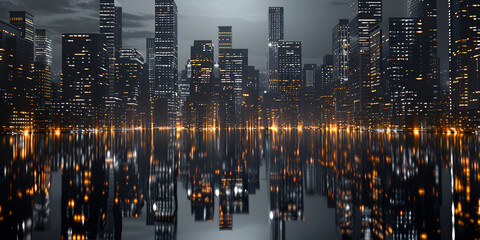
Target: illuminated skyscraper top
{"type": "Point", "coordinates": [275, 24]}
{"type": "Point", "coordinates": [43, 46]}
{"type": "Point", "coordinates": [111, 26]}
{"type": "Point", "coordinates": [225, 37]}
{"type": "Point", "coordinates": [111, 22]}
{"type": "Point", "coordinates": [24, 21]}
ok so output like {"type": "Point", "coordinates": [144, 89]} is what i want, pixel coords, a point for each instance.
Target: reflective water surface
{"type": "Point", "coordinates": [240, 185]}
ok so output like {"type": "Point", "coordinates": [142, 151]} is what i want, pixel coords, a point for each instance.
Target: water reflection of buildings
{"type": "Point", "coordinates": [380, 185]}
{"type": "Point", "coordinates": [162, 185]}
{"type": "Point", "coordinates": [386, 186]}
{"type": "Point", "coordinates": [285, 182]}
{"type": "Point", "coordinates": [223, 166]}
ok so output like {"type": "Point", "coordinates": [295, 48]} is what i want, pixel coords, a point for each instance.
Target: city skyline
{"type": "Point", "coordinates": [248, 19]}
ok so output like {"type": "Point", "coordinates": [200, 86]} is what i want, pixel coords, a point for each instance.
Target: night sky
{"type": "Point", "coordinates": [310, 21]}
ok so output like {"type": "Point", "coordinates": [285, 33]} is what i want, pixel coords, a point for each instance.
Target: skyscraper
{"type": "Point", "coordinates": [275, 34]}
{"type": "Point", "coordinates": [111, 26]}
{"type": "Point", "coordinates": [200, 105]}
{"type": "Point", "coordinates": [43, 46]}
{"type": "Point", "coordinates": [340, 50]}
{"type": "Point", "coordinates": [289, 81]}
{"type": "Point", "coordinates": [364, 15]}
{"type": "Point", "coordinates": [232, 67]}
{"type": "Point", "coordinates": [16, 57]}
{"type": "Point", "coordinates": [429, 75]}
{"type": "Point", "coordinates": [250, 97]}
{"type": "Point", "coordinates": [464, 59]}
{"type": "Point", "coordinates": [84, 79]}
{"type": "Point", "coordinates": [150, 64]}
{"type": "Point", "coordinates": [402, 43]}
{"type": "Point", "coordinates": [129, 73]}
{"type": "Point", "coordinates": [166, 63]}
{"type": "Point", "coordinates": [24, 21]}
{"type": "Point", "coordinates": [464, 76]}
{"type": "Point", "coordinates": [42, 76]}
{"type": "Point", "coordinates": [224, 37]}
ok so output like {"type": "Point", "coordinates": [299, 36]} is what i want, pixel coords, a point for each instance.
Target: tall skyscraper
{"type": "Point", "coordinates": [150, 64]}
{"type": "Point", "coordinates": [129, 73]}
{"type": "Point", "coordinates": [200, 106]}
{"type": "Point", "coordinates": [402, 44]}
{"type": "Point", "coordinates": [42, 78]}
{"type": "Point", "coordinates": [426, 11]}
{"type": "Point", "coordinates": [24, 21]}
{"type": "Point", "coordinates": [16, 57]}
{"type": "Point", "coordinates": [364, 15]}
{"type": "Point", "coordinates": [289, 81]}
{"type": "Point", "coordinates": [464, 59]}
{"type": "Point", "coordinates": [232, 67]}
{"type": "Point", "coordinates": [224, 37]}
{"type": "Point", "coordinates": [340, 50]}
{"type": "Point", "coordinates": [166, 63]}
{"type": "Point", "coordinates": [43, 46]}
{"type": "Point", "coordinates": [111, 26]}
{"type": "Point", "coordinates": [84, 78]}
{"type": "Point", "coordinates": [275, 34]}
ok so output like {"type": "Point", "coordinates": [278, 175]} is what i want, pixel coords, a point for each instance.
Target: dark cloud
{"type": "Point", "coordinates": [140, 34]}
{"type": "Point", "coordinates": [133, 20]}
{"type": "Point", "coordinates": [48, 7]}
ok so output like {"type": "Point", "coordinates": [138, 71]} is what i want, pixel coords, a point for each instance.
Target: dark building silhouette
{"type": "Point", "coordinates": [275, 35]}
{"type": "Point", "coordinates": [464, 77]}
{"type": "Point", "coordinates": [16, 83]}
{"type": "Point", "coordinates": [129, 73]}
{"type": "Point", "coordinates": [233, 64]}
{"type": "Point", "coordinates": [225, 37]}
{"type": "Point", "coordinates": [289, 82]}
{"type": "Point", "coordinates": [164, 89]}
{"type": "Point", "coordinates": [84, 79]}
{"type": "Point", "coordinates": [200, 112]}
{"type": "Point", "coordinates": [364, 15]}
{"type": "Point", "coordinates": [111, 25]}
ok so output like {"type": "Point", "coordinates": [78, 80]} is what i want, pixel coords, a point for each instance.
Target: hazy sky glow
{"type": "Point", "coordinates": [310, 21]}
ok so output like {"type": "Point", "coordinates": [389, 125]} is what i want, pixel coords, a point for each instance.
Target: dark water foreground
{"type": "Point", "coordinates": [240, 185]}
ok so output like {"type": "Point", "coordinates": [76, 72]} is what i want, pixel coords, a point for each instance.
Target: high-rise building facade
{"type": "Point", "coordinates": [426, 11]}
{"type": "Point", "coordinates": [25, 22]}
{"type": "Point", "coordinates": [250, 97]}
{"type": "Point", "coordinates": [166, 64]}
{"type": "Point", "coordinates": [43, 46]}
{"type": "Point", "coordinates": [42, 78]}
{"type": "Point", "coordinates": [224, 37]}
{"type": "Point", "coordinates": [326, 75]}
{"type": "Point", "coordinates": [464, 59]}
{"type": "Point", "coordinates": [364, 15]}
{"type": "Point", "coordinates": [150, 65]}
{"type": "Point", "coordinates": [232, 66]}
{"type": "Point", "coordinates": [84, 79]}
{"type": "Point", "coordinates": [200, 109]}
{"type": "Point", "coordinates": [111, 26]}
{"type": "Point", "coordinates": [16, 85]}
{"type": "Point", "coordinates": [129, 73]}
{"type": "Point", "coordinates": [340, 50]}
{"type": "Point", "coordinates": [289, 82]}
{"type": "Point", "coordinates": [275, 35]}
{"type": "Point", "coordinates": [402, 45]}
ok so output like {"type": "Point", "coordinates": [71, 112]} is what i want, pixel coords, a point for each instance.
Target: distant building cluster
{"type": "Point", "coordinates": [381, 74]}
